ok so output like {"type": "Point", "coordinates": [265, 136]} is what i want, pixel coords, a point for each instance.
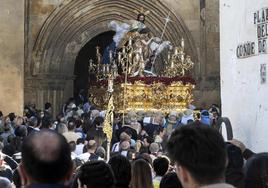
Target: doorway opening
{"type": "Point", "coordinates": [86, 53]}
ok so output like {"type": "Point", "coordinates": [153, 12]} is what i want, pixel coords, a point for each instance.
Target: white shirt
{"type": "Point", "coordinates": [79, 149]}
{"type": "Point", "coordinates": [85, 157]}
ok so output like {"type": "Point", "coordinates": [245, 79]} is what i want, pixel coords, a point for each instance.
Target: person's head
{"type": "Point", "coordinates": [256, 173]}
{"type": "Point", "coordinates": [234, 171]}
{"type": "Point", "coordinates": [5, 183]}
{"type": "Point", "coordinates": [46, 158]}
{"type": "Point", "coordinates": [71, 125]}
{"type": "Point", "coordinates": [170, 180]}
{"type": "Point", "coordinates": [33, 121]}
{"type": "Point", "coordinates": [21, 131]}
{"type": "Point", "coordinates": [12, 116]}
{"type": "Point", "coordinates": [148, 140]}
{"type": "Point", "coordinates": [172, 117]}
{"type": "Point", "coordinates": [124, 137]}
{"type": "Point", "coordinates": [199, 154]}
{"type": "Point", "coordinates": [92, 146]}
{"type": "Point", "coordinates": [80, 141]}
{"type": "Point", "coordinates": [48, 106]}
{"type": "Point", "coordinates": [72, 145]}
{"type": "Point", "coordinates": [235, 157]}
{"type": "Point", "coordinates": [61, 128]}
{"type": "Point", "coordinates": [122, 170]}
{"type": "Point", "coordinates": [214, 112]}
{"type": "Point", "coordinates": [158, 119]}
{"type": "Point", "coordinates": [160, 132]}
{"type": "Point", "coordinates": [46, 123]}
{"type": "Point", "coordinates": [98, 121]}
{"type": "Point", "coordinates": [141, 17]}
{"type": "Point", "coordinates": [160, 165]}
{"type": "Point", "coordinates": [144, 156]}
{"type": "Point", "coordinates": [141, 175]}
{"type": "Point", "coordinates": [19, 121]}
{"type": "Point", "coordinates": [125, 145]}
{"type": "Point", "coordinates": [154, 147]}
{"type": "Point", "coordinates": [95, 174]}
{"type": "Point", "coordinates": [100, 151]}
{"type": "Point", "coordinates": [204, 117]}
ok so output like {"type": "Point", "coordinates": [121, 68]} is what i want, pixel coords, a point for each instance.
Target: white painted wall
{"type": "Point", "coordinates": [244, 98]}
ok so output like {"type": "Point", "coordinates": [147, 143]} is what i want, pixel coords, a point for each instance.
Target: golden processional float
{"type": "Point", "coordinates": [129, 71]}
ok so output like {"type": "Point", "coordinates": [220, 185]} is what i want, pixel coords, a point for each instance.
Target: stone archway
{"type": "Point", "coordinates": [72, 24]}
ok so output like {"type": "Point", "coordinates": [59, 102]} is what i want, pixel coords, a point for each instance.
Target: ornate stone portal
{"type": "Point", "coordinates": [57, 29]}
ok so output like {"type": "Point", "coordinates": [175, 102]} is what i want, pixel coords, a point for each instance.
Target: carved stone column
{"type": "Point", "coordinates": [53, 88]}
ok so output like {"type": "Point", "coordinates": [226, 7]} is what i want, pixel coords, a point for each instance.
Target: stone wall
{"type": "Point", "coordinates": [11, 56]}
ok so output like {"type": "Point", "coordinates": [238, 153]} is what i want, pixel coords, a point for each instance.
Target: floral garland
{"type": "Point", "coordinates": [147, 80]}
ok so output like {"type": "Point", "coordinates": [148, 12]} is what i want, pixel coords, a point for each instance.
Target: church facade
{"type": "Point", "coordinates": [41, 40]}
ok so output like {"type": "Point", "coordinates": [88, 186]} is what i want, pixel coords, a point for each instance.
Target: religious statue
{"type": "Point", "coordinates": [141, 54]}
{"type": "Point", "coordinates": [133, 38]}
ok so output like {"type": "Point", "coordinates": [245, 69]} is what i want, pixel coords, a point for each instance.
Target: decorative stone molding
{"type": "Point", "coordinates": [73, 23]}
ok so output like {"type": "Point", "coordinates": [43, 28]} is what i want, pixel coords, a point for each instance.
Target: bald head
{"type": "Point", "coordinates": [46, 157]}
{"type": "Point", "coordinates": [46, 146]}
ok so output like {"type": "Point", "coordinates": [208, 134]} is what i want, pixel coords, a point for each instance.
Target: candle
{"type": "Point", "coordinates": [182, 43]}
{"type": "Point", "coordinates": [110, 84]}
{"type": "Point", "coordinates": [172, 64]}
{"type": "Point", "coordinates": [110, 55]}
{"type": "Point", "coordinates": [124, 49]}
{"type": "Point", "coordinates": [108, 68]}
{"type": "Point", "coordinates": [119, 56]}
{"type": "Point", "coordinates": [176, 51]}
{"type": "Point", "coordinates": [182, 57]}
{"type": "Point", "coordinates": [130, 41]}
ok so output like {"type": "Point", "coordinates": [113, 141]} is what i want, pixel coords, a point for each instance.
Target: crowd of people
{"type": "Point", "coordinates": [148, 150]}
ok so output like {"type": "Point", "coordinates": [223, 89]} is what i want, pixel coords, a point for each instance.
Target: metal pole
{"type": "Point", "coordinates": [125, 91]}
{"type": "Point", "coordinates": [162, 35]}
{"type": "Point", "coordinates": [108, 150]}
